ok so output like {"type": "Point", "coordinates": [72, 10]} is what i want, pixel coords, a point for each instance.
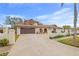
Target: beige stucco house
{"type": "Point", "coordinates": [33, 27]}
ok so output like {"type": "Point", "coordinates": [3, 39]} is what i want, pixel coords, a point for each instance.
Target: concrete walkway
{"type": "Point", "coordinates": [41, 45]}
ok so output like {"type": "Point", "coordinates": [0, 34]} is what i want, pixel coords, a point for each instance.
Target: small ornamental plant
{"type": "Point", "coordinates": [4, 42]}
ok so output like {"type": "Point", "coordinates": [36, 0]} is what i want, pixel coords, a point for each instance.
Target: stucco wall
{"type": "Point", "coordinates": [9, 34]}
{"type": "Point", "coordinates": [18, 30]}
{"type": "Point", "coordinates": [58, 32]}
{"type": "Point", "coordinates": [37, 30]}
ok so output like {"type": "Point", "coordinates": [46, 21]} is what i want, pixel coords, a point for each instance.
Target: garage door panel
{"type": "Point", "coordinates": [27, 30]}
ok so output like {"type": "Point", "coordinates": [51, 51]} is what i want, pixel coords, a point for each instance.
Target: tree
{"type": "Point", "coordinates": [75, 21]}
{"type": "Point", "coordinates": [12, 21]}
{"type": "Point", "coordinates": [7, 21]}
{"type": "Point", "coordinates": [67, 27]}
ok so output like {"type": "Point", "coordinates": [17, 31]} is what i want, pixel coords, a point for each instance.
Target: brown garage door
{"type": "Point", "coordinates": [27, 30]}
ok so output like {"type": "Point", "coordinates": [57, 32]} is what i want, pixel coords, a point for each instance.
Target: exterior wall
{"type": "Point", "coordinates": [58, 32]}
{"type": "Point", "coordinates": [1, 36]}
{"type": "Point", "coordinates": [11, 36]}
{"type": "Point", "coordinates": [4, 34]}
{"type": "Point", "coordinates": [35, 24]}
{"type": "Point", "coordinates": [64, 33]}
{"type": "Point", "coordinates": [71, 31]}
{"type": "Point", "coordinates": [6, 31]}
{"type": "Point", "coordinates": [77, 31]}
{"type": "Point", "coordinates": [37, 30]}
{"type": "Point", "coordinates": [18, 30]}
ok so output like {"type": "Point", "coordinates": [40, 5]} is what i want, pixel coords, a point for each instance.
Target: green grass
{"type": "Point", "coordinates": [69, 41]}
{"type": "Point", "coordinates": [16, 37]}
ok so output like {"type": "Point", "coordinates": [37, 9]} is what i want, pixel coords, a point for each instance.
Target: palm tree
{"type": "Point", "coordinates": [13, 21]}
{"type": "Point", "coordinates": [75, 21]}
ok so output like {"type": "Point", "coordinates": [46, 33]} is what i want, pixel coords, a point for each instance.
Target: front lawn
{"type": "Point", "coordinates": [69, 41]}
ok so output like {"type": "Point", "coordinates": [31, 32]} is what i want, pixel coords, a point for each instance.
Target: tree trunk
{"type": "Point", "coordinates": [75, 22]}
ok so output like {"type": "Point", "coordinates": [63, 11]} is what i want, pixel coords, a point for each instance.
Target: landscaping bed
{"type": "Point", "coordinates": [62, 36]}
{"type": "Point", "coordinates": [5, 50]}
{"type": "Point", "coordinates": [59, 36]}
{"type": "Point", "coordinates": [16, 37]}
{"type": "Point", "coordinates": [4, 42]}
{"type": "Point", "coordinates": [4, 54]}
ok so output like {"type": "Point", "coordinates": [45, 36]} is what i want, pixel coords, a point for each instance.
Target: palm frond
{"type": "Point", "coordinates": [62, 4]}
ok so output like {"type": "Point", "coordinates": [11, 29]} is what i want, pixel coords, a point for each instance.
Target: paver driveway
{"type": "Point", "coordinates": [41, 45]}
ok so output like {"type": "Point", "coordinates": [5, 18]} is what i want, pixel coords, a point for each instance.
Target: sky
{"type": "Point", "coordinates": [46, 13]}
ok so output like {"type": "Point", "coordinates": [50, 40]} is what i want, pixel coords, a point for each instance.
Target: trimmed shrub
{"type": "Point", "coordinates": [77, 33]}
{"type": "Point", "coordinates": [68, 35]}
{"type": "Point", "coordinates": [72, 34]}
{"type": "Point", "coordinates": [50, 37]}
{"type": "Point", "coordinates": [58, 36]}
{"type": "Point", "coordinates": [16, 37]}
{"type": "Point", "coordinates": [4, 42]}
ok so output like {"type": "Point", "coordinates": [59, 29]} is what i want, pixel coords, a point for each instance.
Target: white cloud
{"type": "Point", "coordinates": [60, 17]}
{"type": "Point", "coordinates": [55, 14]}
{"type": "Point", "coordinates": [64, 10]}
{"type": "Point", "coordinates": [42, 17]}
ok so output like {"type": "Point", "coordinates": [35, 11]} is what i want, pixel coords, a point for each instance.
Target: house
{"type": "Point", "coordinates": [31, 26]}
{"type": "Point", "coordinates": [34, 27]}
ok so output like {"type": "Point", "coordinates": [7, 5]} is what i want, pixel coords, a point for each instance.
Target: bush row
{"type": "Point", "coordinates": [60, 36]}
